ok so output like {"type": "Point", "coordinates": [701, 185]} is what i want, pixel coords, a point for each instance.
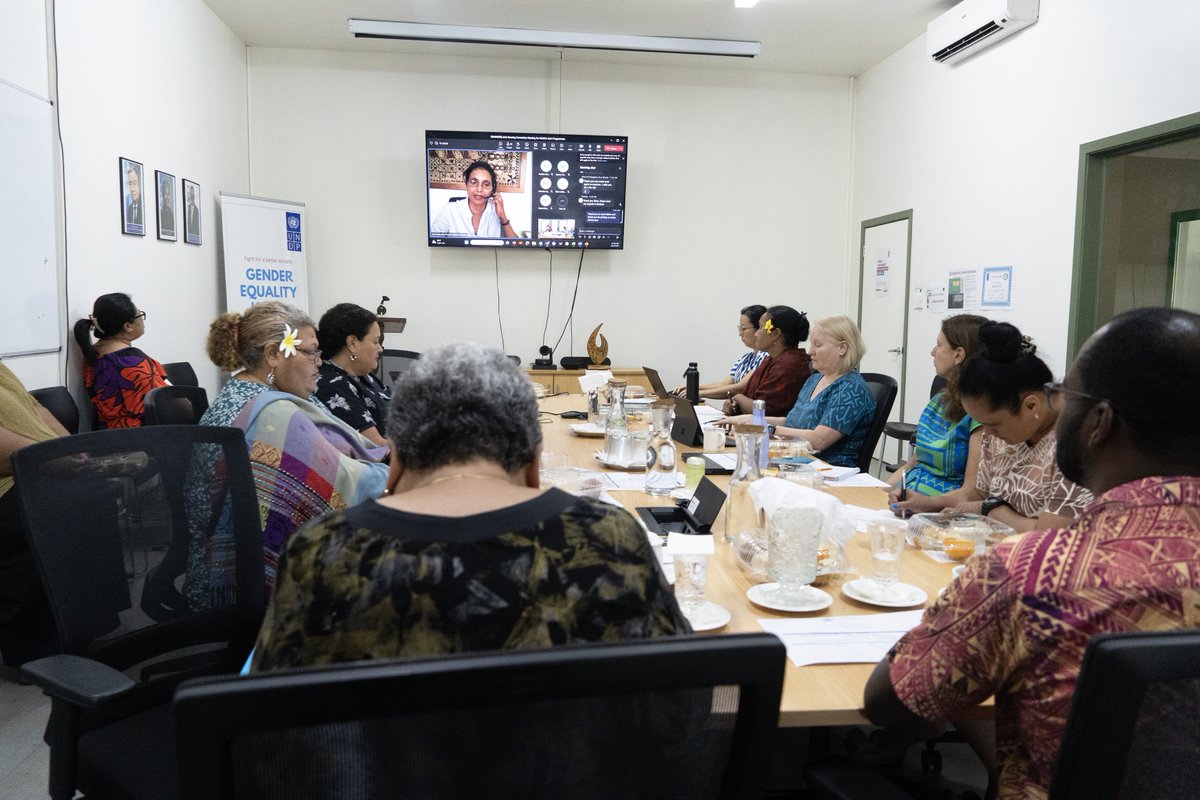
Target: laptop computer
{"type": "Point", "coordinates": [656, 382]}
{"type": "Point", "coordinates": [686, 516]}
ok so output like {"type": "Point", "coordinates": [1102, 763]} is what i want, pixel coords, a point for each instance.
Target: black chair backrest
{"type": "Point", "coordinates": [883, 389]}
{"type": "Point", "coordinates": [163, 516]}
{"type": "Point", "coordinates": [393, 362]}
{"type": "Point", "coordinates": [669, 717]}
{"type": "Point", "coordinates": [180, 373]}
{"type": "Point", "coordinates": [175, 405]}
{"type": "Point", "coordinates": [1134, 726]}
{"type": "Point", "coordinates": [59, 402]}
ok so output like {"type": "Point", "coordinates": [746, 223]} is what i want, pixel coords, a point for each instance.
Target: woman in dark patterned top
{"type": "Point", "coordinates": [465, 552]}
{"type": "Point", "coordinates": [351, 341]}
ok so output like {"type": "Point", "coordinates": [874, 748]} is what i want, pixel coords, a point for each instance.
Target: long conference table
{"type": "Point", "coordinates": [814, 695]}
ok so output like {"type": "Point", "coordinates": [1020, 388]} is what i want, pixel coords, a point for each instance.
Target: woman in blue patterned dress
{"type": "Point", "coordinates": [947, 442]}
{"type": "Point", "coordinates": [834, 408]}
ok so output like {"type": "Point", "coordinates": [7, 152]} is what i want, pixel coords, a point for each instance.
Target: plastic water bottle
{"type": "Point", "coordinates": [691, 377]}
{"type": "Point", "coordinates": [759, 417]}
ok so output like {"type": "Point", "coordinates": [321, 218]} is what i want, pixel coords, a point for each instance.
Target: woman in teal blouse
{"type": "Point", "coordinates": [947, 442]}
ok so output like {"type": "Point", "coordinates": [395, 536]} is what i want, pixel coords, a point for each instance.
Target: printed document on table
{"type": "Point", "coordinates": [854, 639]}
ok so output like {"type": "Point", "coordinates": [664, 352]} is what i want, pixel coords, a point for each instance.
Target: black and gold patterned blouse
{"type": "Point", "coordinates": [376, 582]}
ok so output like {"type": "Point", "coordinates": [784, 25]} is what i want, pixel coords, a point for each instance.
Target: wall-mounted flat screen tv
{"type": "Point", "coordinates": [526, 189]}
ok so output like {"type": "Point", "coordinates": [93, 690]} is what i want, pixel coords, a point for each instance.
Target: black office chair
{"type": "Point", "coordinates": [668, 717]}
{"type": "Point", "coordinates": [1133, 731]}
{"type": "Point", "coordinates": [180, 373]}
{"type": "Point", "coordinates": [59, 402]}
{"type": "Point", "coordinates": [883, 389]}
{"type": "Point", "coordinates": [128, 642]}
{"type": "Point", "coordinates": [392, 363]}
{"type": "Point", "coordinates": [175, 405]}
{"type": "Point", "coordinates": [906, 431]}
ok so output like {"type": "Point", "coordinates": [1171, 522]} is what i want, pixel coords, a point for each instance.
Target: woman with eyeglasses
{"type": "Point", "coordinates": [306, 461]}
{"type": "Point", "coordinates": [739, 374]}
{"type": "Point", "coordinates": [117, 375]}
{"type": "Point", "coordinates": [778, 379]}
{"type": "Point", "coordinates": [483, 212]}
{"type": "Point", "coordinates": [1018, 482]}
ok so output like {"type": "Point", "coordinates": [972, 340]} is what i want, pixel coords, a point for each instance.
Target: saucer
{"type": "Point", "coordinates": [709, 617]}
{"type": "Point", "coordinates": [898, 595]}
{"type": "Point", "coordinates": [588, 430]}
{"type": "Point", "coordinates": [763, 594]}
{"type": "Point", "coordinates": [631, 466]}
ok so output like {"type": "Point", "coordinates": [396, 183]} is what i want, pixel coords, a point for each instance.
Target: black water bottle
{"type": "Point", "coordinates": [692, 377]}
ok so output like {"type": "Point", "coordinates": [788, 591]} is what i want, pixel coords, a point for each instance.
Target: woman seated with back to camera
{"type": "Point", "coordinates": [739, 374]}
{"type": "Point", "coordinates": [778, 379]}
{"type": "Point", "coordinates": [465, 552]}
{"type": "Point", "coordinates": [834, 408]}
{"type": "Point", "coordinates": [351, 341]}
{"type": "Point", "coordinates": [118, 375]}
{"type": "Point", "coordinates": [306, 461]}
{"type": "Point", "coordinates": [1018, 481]}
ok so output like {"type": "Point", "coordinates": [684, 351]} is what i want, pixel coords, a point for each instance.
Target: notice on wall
{"type": "Point", "coordinates": [997, 287]}
{"type": "Point", "coordinates": [962, 289]}
{"type": "Point", "coordinates": [883, 272]}
{"type": "Point", "coordinates": [936, 300]}
{"type": "Point", "coordinates": [264, 251]}
{"type": "Point", "coordinates": [918, 297]}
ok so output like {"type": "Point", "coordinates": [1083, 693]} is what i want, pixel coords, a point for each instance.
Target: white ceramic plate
{"type": "Point", "coordinates": [764, 594]}
{"type": "Point", "coordinates": [590, 430]}
{"type": "Point", "coordinates": [898, 595]}
{"type": "Point", "coordinates": [709, 617]}
{"type": "Point", "coordinates": [635, 466]}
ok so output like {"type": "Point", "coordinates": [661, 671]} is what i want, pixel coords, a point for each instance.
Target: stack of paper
{"type": "Point", "coordinates": [853, 639]}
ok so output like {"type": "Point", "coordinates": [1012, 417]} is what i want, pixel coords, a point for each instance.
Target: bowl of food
{"type": "Point", "coordinates": [956, 535]}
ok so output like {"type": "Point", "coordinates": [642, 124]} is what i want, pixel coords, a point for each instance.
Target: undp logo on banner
{"type": "Point", "coordinates": [293, 231]}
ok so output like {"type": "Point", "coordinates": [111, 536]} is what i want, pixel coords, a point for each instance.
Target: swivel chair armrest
{"type": "Point", "coordinates": [78, 680]}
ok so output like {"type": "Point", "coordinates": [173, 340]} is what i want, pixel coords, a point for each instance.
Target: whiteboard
{"type": "Point", "coordinates": [29, 305]}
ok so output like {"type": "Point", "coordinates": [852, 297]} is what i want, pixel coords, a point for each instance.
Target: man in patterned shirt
{"type": "Point", "coordinates": [1016, 622]}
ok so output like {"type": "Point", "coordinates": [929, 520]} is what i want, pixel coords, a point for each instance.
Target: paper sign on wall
{"type": "Point", "coordinates": [883, 271]}
{"type": "Point", "coordinates": [997, 287]}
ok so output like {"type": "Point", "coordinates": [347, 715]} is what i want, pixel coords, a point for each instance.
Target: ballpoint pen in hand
{"type": "Point", "coordinates": [904, 493]}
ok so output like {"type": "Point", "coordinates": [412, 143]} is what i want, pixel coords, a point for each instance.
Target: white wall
{"type": "Point", "coordinates": [738, 193]}
{"type": "Point", "coordinates": [986, 152]}
{"type": "Point", "coordinates": [163, 83]}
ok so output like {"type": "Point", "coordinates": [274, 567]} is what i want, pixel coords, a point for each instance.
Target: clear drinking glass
{"type": "Point", "coordinates": [886, 538]}
{"type": "Point", "coordinates": [691, 579]}
{"type": "Point", "coordinates": [792, 538]}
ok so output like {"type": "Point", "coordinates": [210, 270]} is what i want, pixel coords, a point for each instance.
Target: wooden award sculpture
{"type": "Point", "coordinates": [597, 352]}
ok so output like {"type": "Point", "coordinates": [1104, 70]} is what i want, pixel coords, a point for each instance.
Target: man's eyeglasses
{"type": "Point", "coordinates": [139, 315]}
{"type": "Point", "coordinates": [1055, 388]}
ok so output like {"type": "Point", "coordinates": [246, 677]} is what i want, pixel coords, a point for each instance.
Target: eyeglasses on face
{"type": "Point", "coordinates": [312, 352]}
{"type": "Point", "coordinates": [744, 328]}
{"type": "Point", "coordinates": [139, 315]}
{"type": "Point", "coordinates": [1055, 388]}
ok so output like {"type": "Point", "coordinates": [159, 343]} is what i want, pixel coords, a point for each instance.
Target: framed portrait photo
{"type": "Point", "coordinates": [191, 212]}
{"type": "Point", "coordinates": [133, 201]}
{"type": "Point", "coordinates": [164, 184]}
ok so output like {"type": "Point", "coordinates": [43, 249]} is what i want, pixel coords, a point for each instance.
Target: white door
{"type": "Point", "coordinates": [883, 293]}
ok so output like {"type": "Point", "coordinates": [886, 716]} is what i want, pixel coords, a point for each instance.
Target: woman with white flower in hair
{"type": "Point", "coordinates": [306, 462]}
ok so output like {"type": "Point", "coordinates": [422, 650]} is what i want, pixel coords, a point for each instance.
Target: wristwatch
{"type": "Point", "coordinates": [991, 504]}
{"type": "Point", "coordinates": [770, 430]}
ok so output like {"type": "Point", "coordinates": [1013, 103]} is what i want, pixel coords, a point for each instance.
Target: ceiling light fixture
{"type": "Point", "coordinates": [472, 34]}
{"type": "Point", "coordinates": [745, 3]}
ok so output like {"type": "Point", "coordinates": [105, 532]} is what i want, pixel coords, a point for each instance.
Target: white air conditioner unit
{"type": "Point", "coordinates": [975, 24]}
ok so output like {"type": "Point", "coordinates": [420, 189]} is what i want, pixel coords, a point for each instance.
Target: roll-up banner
{"type": "Point", "coordinates": [263, 242]}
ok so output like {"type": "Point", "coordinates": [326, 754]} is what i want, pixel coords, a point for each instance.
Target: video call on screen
{"type": "Point", "coordinates": [557, 190]}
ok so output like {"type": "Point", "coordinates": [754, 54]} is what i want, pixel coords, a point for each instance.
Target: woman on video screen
{"type": "Point", "coordinates": [482, 215]}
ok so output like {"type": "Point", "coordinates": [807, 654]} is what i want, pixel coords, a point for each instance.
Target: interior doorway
{"type": "Point", "coordinates": [1135, 192]}
{"type": "Point", "coordinates": [885, 248]}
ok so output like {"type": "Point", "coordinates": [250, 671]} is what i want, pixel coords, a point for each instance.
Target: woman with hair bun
{"type": "Point", "coordinates": [351, 342]}
{"type": "Point", "coordinates": [777, 380]}
{"type": "Point", "coordinates": [306, 461]}
{"type": "Point", "coordinates": [117, 375]}
{"type": "Point", "coordinates": [1018, 481]}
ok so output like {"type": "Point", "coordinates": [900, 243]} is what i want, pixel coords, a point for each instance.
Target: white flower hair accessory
{"type": "Point", "coordinates": [290, 339]}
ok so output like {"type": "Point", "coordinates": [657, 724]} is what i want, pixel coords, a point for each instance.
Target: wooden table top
{"type": "Point", "coordinates": [819, 694]}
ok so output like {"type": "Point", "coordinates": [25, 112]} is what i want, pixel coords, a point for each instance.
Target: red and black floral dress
{"type": "Point", "coordinates": [118, 383]}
